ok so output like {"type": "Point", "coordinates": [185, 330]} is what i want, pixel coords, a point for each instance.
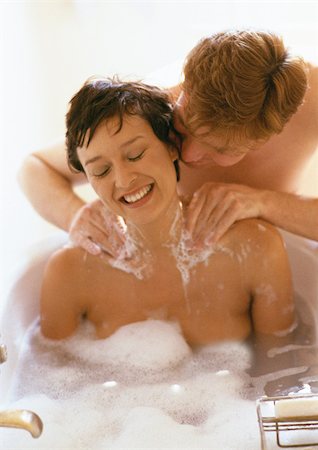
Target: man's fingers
{"type": "Point", "coordinates": [217, 215]}
{"type": "Point", "coordinates": [223, 225]}
{"type": "Point", "coordinates": [91, 239]}
{"type": "Point", "coordinates": [194, 215]}
{"type": "Point", "coordinates": [216, 224]}
{"type": "Point", "coordinates": [90, 246]}
{"type": "Point", "coordinates": [110, 221]}
{"type": "Point", "coordinates": [98, 235]}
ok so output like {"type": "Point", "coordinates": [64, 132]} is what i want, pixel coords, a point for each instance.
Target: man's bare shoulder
{"type": "Point", "coordinates": [311, 97]}
{"type": "Point", "coordinates": [312, 75]}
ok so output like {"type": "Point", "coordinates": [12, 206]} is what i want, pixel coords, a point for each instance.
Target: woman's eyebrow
{"type": "Point", "coordinates": [89, 161]}
{"type": "Point", "coordinates": [122, 146]}
{"type": "Point", "coordinates": [130, 141]}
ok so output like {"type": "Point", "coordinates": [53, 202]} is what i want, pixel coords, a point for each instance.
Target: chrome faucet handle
{"type": "Point", "coordinates": [3, 353]}
{"type": "Point", "coordinates": [20, 418]}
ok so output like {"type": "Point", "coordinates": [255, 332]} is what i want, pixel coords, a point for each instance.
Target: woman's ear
{"type": "Point", "coordinates": [176, 141]}
{"type": "Point", "coordinates": [174, 153]}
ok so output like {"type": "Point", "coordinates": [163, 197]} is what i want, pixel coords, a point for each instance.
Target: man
{"type": "Point", "coordinates": [248, 114]}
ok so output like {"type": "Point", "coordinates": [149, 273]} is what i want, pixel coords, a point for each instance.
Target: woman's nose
{"type": "Point", "coordinates": [124, 176]}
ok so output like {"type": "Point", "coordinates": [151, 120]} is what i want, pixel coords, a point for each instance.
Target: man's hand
{"type": "Point", "coordinates": [98, 231]}
{"type": "Point", "coordinates": [216, 206]}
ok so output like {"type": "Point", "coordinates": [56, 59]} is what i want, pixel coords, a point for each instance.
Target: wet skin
{"type": "Point", "coordinates": [222, 296]}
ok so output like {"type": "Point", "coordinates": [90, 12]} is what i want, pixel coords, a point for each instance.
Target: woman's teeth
{"type": "Point", "coordinates": [132, 198]}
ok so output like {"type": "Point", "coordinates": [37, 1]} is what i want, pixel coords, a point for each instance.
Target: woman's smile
{"type": "Point", "coordinates": [139, 197]}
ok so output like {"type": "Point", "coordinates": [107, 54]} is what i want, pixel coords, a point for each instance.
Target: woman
{"type": "Point", "coordinates": [121, 136]}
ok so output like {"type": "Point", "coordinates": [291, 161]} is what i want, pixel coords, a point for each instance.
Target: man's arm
{"type": "Point", "coordinates": [48, 182]}
{"type": "Point", "coordinates": [294, 213]}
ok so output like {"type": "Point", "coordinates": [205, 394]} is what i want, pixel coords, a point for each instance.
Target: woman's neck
{"type": "Point", "coordinates": [160, 245]}
{"type": "Point", "coordinates": [164, 232]}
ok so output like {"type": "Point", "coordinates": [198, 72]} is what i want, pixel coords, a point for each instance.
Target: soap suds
{"type": "Point", "coordinates": [261, 227]}
{"type": "Point", "coordinates": [141, 388]}
{"type": "Point", "coordinates": [268, 292]}
{"type": "Point", "coordinates": [133, 259]}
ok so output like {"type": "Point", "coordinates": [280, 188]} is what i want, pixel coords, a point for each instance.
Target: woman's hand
{"type": "Point", "coordinates": [216, 206]}
{"type": "Point", "coordinates": [98, 231]}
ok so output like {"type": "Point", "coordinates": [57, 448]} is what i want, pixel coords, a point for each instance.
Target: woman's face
{"type": "Point", "coordinates": [131, 170]}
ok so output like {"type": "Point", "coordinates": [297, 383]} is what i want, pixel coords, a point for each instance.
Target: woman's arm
{"type": "Point", "coordinates": [63, 294]}
{"type": "Point", "coordinates": [269, 276]}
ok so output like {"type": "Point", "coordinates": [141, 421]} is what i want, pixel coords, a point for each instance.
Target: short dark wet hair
{"type": "Point", "coordinates": [101, 99]}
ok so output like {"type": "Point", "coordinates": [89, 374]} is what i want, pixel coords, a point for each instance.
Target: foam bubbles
{"type": "Point", "coordinates": [150, 428]}
{"type": "Point", "coordinates": [142, 387]}
{"type": "Point", "coordinates": [261, 227]}
{"type": "Point", "coordinates": [268, 292]}
{"type": "Point", "coordinates": [133, 259]}
{"type": "Point", "coordinates": [152, 345]}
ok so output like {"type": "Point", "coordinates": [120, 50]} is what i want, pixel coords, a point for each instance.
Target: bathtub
{"type": "Point", "coordinates": [21, 305]}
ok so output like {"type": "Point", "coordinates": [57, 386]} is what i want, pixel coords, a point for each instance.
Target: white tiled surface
{"type": "Point", "coordinates": [48, 49]}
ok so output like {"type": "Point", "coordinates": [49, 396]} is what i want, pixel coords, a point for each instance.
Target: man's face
{"type": "Point", "coordinates": [204, 149]}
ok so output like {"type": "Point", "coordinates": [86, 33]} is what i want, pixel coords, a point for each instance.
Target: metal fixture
{"type": "Point", "coordinates": [22, 418]}
{"type": "Point", "coordinates": [286, 429]}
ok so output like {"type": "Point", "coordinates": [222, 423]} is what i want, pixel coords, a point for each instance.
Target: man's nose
{"type": "Point", "coordinates": [189, 151]}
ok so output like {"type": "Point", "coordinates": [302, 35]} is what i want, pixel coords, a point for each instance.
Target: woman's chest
{"type": "Point", "coordinates": [199, 293]}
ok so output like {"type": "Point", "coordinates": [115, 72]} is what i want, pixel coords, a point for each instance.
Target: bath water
{"type": "Point", "coordinates": [145, 388]}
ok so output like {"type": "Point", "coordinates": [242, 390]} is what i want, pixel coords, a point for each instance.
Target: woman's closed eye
{"type": "Point", "coordinates": [135, 157]}
{"type": "Point", "coordinates": [101, 172]}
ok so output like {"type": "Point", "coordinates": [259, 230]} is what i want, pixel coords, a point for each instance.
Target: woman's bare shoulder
{"type": "Point", "coordinates": [74, 263]}
{"type": "Point", "coordinates": [252, 231]}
